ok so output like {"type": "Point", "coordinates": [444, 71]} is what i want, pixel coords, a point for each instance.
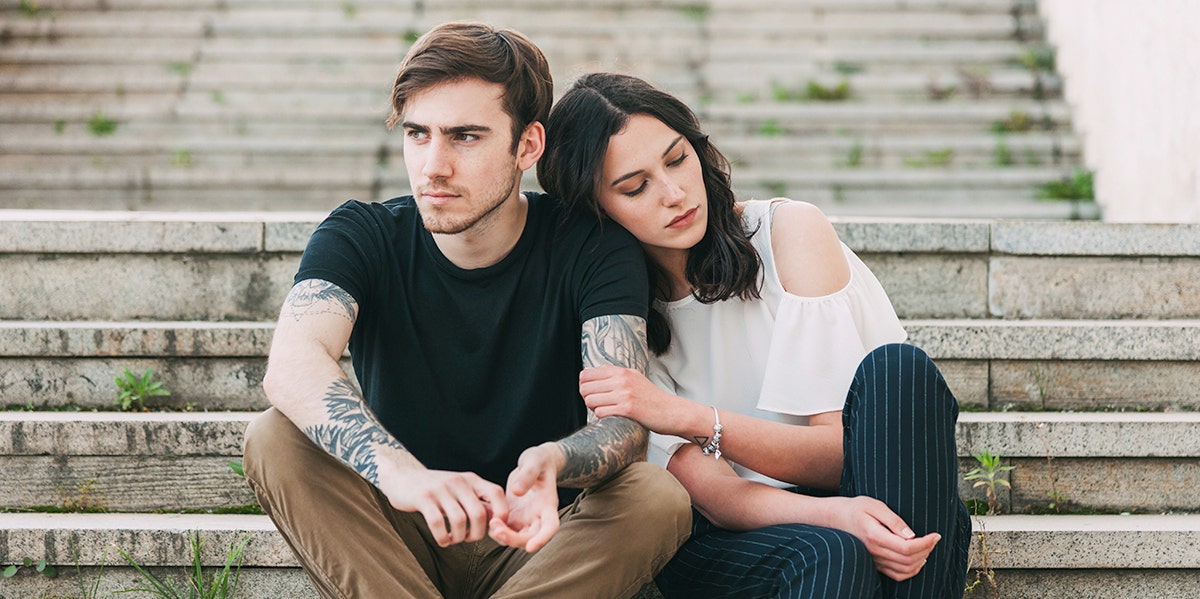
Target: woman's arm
{"type": "Point", "coordinates": [734, 503]}
{"type": "Point", "coordinates": [810, 456]}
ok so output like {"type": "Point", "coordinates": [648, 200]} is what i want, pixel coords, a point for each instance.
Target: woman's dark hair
{"type": "Point", "coordinates": [723, 264]}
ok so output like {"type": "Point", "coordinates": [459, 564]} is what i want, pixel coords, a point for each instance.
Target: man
{"type": "Point", "coordinates": [465, 306]}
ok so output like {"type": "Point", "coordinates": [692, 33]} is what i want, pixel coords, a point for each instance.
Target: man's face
{"type": "Point", "coordinates": [458, 152]}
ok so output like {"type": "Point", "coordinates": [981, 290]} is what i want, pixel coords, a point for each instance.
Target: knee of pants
{"type": "Point", "coordinates": [270, 438]}
{"type": "Point", "coordinates": [660, 502]}
{"type": "Point", "coordinates": [835, 562]}
{"type": "Point", "coordinates": [906, 367]}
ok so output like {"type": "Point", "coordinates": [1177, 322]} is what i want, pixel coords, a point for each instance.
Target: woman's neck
{"type": "Point", "coordinates": [672, 264]}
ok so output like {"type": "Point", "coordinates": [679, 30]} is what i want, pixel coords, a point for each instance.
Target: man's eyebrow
{"type": "Point", "coordinates": [456, 130]}
{"type": "Point", "coordinates": [635, 173]}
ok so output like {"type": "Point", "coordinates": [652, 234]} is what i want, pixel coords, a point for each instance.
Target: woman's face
{"type": "Point", "coordinates": [652, 185]}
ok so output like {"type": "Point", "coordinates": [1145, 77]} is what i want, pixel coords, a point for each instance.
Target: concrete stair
{"type": "Point", "coordinates": [258, 105]}
{"type": "Point", "coordinates": [1071, 346]}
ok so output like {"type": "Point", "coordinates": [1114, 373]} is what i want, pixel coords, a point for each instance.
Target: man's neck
{"type": "Point", "coordinates": [489, 240]}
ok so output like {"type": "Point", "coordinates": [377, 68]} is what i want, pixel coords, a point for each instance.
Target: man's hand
{"type": "Point", "coordinates": [456, 505]}
{"type": "Point", "coordinates": [532, 517]}
{"type": "Point", "coordinates": [897, 552]}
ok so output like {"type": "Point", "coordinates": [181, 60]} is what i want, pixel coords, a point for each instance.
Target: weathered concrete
{"type": "Point", "coordinates": [1094, 288]}
{"type": "Point", "coordinates": [1057, 340]}
{"type": "Point", "coordinates": [1094, 385]}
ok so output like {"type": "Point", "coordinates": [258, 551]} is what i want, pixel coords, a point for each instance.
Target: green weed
{"type": "Point", "coordinates": [133, 391]}
{"type": "Point", "coordinates": [101, 125]}
{"type": "Point", "coordinates": [1077, 186]}
{"type": "Point", "coordinates": [818, 92]}
{"type": "Point", "coordinates": [198, 585]}
{"type": "Point", "coordinates": [40, 566]}
{"type": "Point", "coordinates": [987, 475]}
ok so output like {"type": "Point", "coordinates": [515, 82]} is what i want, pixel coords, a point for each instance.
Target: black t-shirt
{"type": "Point", "coordinates": [467, 368]}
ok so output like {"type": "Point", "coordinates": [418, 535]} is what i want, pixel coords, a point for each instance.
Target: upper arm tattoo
{"type": "Point", "coordinates": [605, 446]}
{"type": "Point", "coordinates": [353, 433]}
{"type": "Point", "coordinates": [618, 339]}
{"type": "Point", "coordinates": [315, 296]}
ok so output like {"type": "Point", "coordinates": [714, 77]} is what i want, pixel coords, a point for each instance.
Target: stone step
{"type": "Point", "coordinates": [990, 364]}
{"type": "Point", "coordinates": [975, 269]}
{"type": "Point", "coordinates": [132, 462]}
{"type": "Point", "coordinates": [895, 151]}
{"type": "Point", "coordinates": [772, 119]}
{"type": "Point", "coordinates": [1122, 557]}
{"type": "Point", "coordinates": [943, 84]}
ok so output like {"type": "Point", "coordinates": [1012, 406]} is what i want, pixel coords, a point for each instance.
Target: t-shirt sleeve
{"type": "Point", "coordinates": [611, 274]}
{"type": "Point", "coordinates": [818, 342]}
{"type": "Point", "coordinates": [339, 249]}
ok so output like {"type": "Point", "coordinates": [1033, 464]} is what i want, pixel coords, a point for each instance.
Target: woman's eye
{"type": "Point", "coordinates": [678, 161]}
{"type": "Point", "coordinates": [637, 191]}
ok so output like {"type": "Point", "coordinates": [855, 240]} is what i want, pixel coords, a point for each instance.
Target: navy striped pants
{"type": "Point", "coordinates": [899, 448]}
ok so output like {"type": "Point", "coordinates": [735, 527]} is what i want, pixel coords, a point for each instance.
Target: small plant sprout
{"type": "Point", "coordinates": [855, 156]}
{"type": "Point", "coordinates": [1078, 186]}
{"type": "Point", "coordinates": [771, 128]}
{"type": "Point", "coordinates": [837, 93]}
{"type": "Point", "coordinates": [1003, 154]}
{"type": "Point", "coordinates": [40, 566]}
{"type": "Point", "coordinates": [236, 466]}
{"type": "Point", "coordinates": [987, 475]}
{"type": "Point", "coordinates": [181, 158]}
{"type": "Point", "coordinates": [134, 390]}
{"type": "Point", "coordinates": [101, 125]}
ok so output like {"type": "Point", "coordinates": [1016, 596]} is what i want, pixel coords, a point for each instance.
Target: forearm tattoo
{"type": "Point", "coordinates": [315, 296]}
{"type": "Point", "coordinates": [605, 446]}
{"type": "Point", "coordinates": [353, 434]}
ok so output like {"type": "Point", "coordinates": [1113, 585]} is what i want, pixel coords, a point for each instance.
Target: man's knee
{"type": "Point", "coordinates": [269, 439]}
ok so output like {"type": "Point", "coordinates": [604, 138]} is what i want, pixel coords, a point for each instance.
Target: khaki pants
{"type": "Point", "coordinates": [614, 538]}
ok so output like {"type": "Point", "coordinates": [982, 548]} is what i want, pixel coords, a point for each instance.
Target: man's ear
{"type": "Point", "coordinates": [531, 145]}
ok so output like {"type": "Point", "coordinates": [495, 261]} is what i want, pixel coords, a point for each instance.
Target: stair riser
{"type": "Point", "coordinates": [252, 286]}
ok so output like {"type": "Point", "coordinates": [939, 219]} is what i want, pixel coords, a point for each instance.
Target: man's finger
{"type": "Point", "coordinates": [543, 531]}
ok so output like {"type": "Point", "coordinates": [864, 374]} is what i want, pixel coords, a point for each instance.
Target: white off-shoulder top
{"type": "Point", "coordinates": [783, 357]}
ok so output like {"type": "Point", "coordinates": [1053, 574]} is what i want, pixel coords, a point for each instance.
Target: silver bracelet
{"type": "Point", "coordinates": [714, 446]}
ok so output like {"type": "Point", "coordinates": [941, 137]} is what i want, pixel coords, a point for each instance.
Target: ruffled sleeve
{"type": "Point", "coordinates": [818, 342]}
{"type": "Point", "coordinates": [662, 447]}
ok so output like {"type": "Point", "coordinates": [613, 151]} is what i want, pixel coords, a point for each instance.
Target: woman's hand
{"type": "Point", "coordinates": [897, 552]}
{"type": "Point", "coordinates": [616, 391]}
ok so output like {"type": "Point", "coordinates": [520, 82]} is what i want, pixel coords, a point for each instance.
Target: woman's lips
{"type": "Point", "coordinates": [683, 219]}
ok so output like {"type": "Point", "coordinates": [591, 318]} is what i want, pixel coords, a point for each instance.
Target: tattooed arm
{"type": "Point", "coordinates": [587, 457]}
{"type": "Point", "coordinates": [607, 445]}
{"type": "Point", "coordinates": [305, 382]}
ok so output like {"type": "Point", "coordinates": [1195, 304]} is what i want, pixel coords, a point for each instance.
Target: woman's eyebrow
{"type": "Point", "coordinates": [635, 173]}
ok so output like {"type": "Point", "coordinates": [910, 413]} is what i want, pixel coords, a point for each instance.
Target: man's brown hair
{"type": "Point", "coordinates": [464, 50]}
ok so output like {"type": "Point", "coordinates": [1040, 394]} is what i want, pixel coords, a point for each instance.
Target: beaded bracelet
{"type": "Point", "coordinates": [714, 447]}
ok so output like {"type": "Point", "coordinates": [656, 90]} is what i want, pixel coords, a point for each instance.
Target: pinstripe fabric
{"type": "Point", "coordinates": [899, 447]}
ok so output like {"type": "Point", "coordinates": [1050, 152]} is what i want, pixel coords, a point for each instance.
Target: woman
{"type": "Point", "coordinates": [818, 450]}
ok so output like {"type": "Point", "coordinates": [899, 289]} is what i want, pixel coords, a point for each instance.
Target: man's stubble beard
{"type": "Point", "coordinates": [444, 226]}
